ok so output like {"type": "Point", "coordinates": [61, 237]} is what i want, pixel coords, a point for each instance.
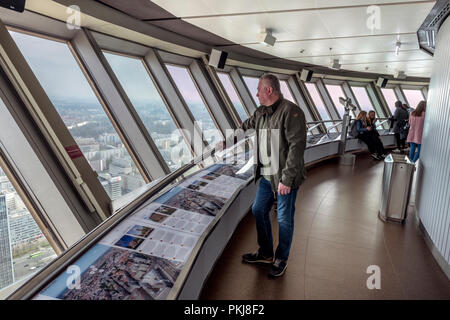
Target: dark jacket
{"type": "Point", "coordinates": [400, 117]}
{"type": "Point", "coordinates": [290, 120]}
{"type": "Point", "coordinates": [373, 125]}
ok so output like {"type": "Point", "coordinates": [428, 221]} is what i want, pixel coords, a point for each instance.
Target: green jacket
{"type": "Point", "coordinates": [290, 120]}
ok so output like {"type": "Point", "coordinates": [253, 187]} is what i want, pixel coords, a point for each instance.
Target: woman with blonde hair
{"type": "Point", "coordinates": [365, 133]}
{"type": "Point", "coordinates": [416, 122]}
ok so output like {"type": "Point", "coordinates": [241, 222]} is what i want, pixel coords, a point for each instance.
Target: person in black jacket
{"type": "Point", "coordinates": [400, 119]}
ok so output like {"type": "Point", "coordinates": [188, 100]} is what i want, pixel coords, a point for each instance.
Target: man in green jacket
{"type": "Point", "coordinates": [281, 140]}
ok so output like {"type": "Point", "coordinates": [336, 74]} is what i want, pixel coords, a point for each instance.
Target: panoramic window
{"type": "Point", "coordinates": [363, 99]}
{"type": "Point", "coordinates": [150, 107]}
{"type": "Point", "coordinates": [24, 249]}
{"type": "Point", "coordinates": [390, 97]}
{"type": "Point", "coordinates": [286, 92]}
{"type": "Point", "coordinates": [232, 94]}
{"type": "Point", "coordinates": [252, 85]}
{"type": "Point", "coordinates": [65, 84]}
{"type": "Point", "coordinates": [196, 105]}
{"type": "Point", "coordinates": [320, 105]}
{"type": "Point", "coordinates": [336, 92]}
{"type": "Point", "coordinates": [413, 97]}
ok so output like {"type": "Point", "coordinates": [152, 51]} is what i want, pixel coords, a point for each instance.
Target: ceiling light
{"type": "Point", "coordinates": [335, 64]}
{"type": "Point", "coordinates": [267, 38]}
{"type": "Point", "coordinates": [397, 47]}
{"type": "Point", "coordinates": [400, 74]}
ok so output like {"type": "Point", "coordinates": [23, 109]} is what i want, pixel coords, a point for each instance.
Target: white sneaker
{"type": "Point", "coordinates": [396, 150]}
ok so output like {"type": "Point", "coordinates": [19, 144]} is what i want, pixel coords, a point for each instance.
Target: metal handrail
{"type": "Point", "coordinates": [334, 126]}
{"type": "Point", "coordinates": [314, 126]}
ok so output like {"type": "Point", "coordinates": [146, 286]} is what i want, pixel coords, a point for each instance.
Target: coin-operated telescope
{"type": "Point", "coordinates": [346, 159]}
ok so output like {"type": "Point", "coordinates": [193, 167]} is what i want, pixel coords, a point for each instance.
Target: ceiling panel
{"type": "Point", "coordinates": [339, 46]}
{"type": "Point", "coordinates": [386, 58]}
{"type": "Point", "coordinates": [300, 25]}
{"type": "Point", "coordinates": [313, 26]}
{"type": "Point", "coordinates": [393, 19]}
{"type": "Point", "coordinates": [189, 8]}
{"type": "Point", "coordinates": [246, 29]}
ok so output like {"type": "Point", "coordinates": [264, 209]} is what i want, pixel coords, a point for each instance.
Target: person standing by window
{"type": "Point", "coordinates": [280, 170]}
{"type": "Point", "coordinates": [416, 122]}
{"type": "Point", "coordinates": [399, 118]}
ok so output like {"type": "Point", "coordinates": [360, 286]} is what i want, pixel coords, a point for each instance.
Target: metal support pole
{"type": "Point", "coordinates": [346, 159]}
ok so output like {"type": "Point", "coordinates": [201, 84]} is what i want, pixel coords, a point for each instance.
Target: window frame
{"type": "Point", "coordinates": [313, 104]}
{"type": "Point", "coordinates": [227, 74]}
{"type": "Point", "coordinates": [216, 124]}
{"type": "Point", "coordinates": [375, 104]}
{"type": "Point", "coordinates": [160, 92]}
{"type": "Point", "coordinates": [146, 172]}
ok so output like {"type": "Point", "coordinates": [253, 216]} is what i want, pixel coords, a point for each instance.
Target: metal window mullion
{"type": "Point", "coordinates": [217, 110]}
{"type": "Point", "coordinates": [239, 96]}
{"type": "Point", "coordinates": [400, 95]}
{"type": "Point", "coordinates": [313, 108]}
{"type": "Point", "coordinates": [228, 104]}
{"type": "Point", "coordinates": [382, 100]}
{"type": "Point", "coordinates": [424, 91]}
{"type": "Point", "coordinates": [328, 103]}
{"type": "Point", "coordinates": [28, 154]}
{"type": "Point", "coordinates": [242, 90]}
{"type": "Point", "coordinates": [298, 96]}
{"type": "Point", "coordinates": [334, 114]}
{"type": "Point", "coordinates": [51, 125]}
{"type": "Point", "coordinates": [48, 229]}
{"type": "Point", "coordinates": [174, 101]}
{"type": "Point", "coordinates": [141, 146]}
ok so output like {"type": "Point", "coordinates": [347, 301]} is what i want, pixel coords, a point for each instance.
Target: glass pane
{"type": "Point", "coordinates": [74, 100]}
{"type": "Point", "coordinates": [189, 91]}
{"type": "Point", "coordinates": [318, 102]}
{"type": "Point", "coordinates": [252, 85]}
{"type": "Point", "coordinates": [390, 97]}
{"type": "Point", "coordinates": [232, 94]}
{"type": "Point", "coordinates": [413, 97]}
{"type": "Point", "coordinates": [336, 92]}
{"type": "Point", "coordinates": [23, 247]}
{"type": "Point", "coordinates": [150, 107]}
{"type": "Point", "coordinates": [286, 92]}
{"type": "Point", "coordinates": [363, 99]}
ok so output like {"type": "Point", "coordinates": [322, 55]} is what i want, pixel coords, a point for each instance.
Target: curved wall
{"type": "Point", "coordinates": [433, 193]}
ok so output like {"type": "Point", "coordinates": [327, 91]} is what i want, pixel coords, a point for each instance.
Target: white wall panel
{"type": "Point", "coordinates": [433, 195]}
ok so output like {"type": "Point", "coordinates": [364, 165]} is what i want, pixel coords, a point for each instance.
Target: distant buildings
{"type": "Point", "coordinates": [112, 185]}
{"type": "Point", "coordinates": [23, 227]}
{"type": "Point", "coordinates": [6, 264]}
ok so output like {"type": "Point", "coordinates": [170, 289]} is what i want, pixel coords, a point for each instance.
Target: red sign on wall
{"type": "Point", "coordinates": [73, 152]}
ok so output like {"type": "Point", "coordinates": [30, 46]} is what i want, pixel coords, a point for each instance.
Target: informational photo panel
{"type": "Point", "coordinates": [143, 255]}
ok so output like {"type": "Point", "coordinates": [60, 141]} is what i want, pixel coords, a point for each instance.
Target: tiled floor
{"type": "Point", "coordinates": [337, 236]}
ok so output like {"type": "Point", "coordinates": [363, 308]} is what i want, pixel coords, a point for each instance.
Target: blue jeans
{"type": "Point", "coordinates": [285, 216]}
{"type": "Point", "coordinates": [413, 155]}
